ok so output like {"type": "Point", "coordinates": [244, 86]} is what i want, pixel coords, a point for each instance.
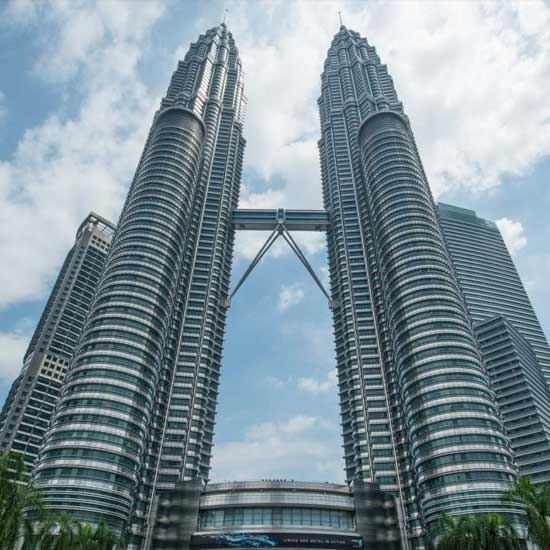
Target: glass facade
{"type": "Point", "coordinates": [488, 276]}
{"type": "Point", "coordinates": [276, 517]}
{"type": "Point", "coordinates": [276, 513]}
{"type": "Point", "coordinates": [30, 404]}
{"type": "Point", "coordinates": [514, 347]}
{"type": "Point", "coordinates": [522, 394]}
{"type": "Point", "coordinates": [412, 386]}
{"type": "Point", "coordinates": [136, 413]}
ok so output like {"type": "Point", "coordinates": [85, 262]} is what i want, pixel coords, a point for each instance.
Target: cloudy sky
{"type": "Point", "coordinates": [81, 80]}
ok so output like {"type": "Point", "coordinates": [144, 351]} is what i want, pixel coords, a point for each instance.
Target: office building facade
{"type": "Point", "coordinates": [137, 410]}
{"type": "Point", "coordinates": [488, 277]}
{"type": "Point", "coordinates": [32, 397]}
{"type": "Point", "coordinates": [522, 394]}
{"type": "Point", "coordinates": [513, 345]}
{"type": "Point", "coordinates": [418, 413]}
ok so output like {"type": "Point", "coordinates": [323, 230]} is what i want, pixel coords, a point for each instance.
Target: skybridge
{"type": "Point", "coordinates": [280, 222]}
{"type": "Point", "coordinates": [293, 220]}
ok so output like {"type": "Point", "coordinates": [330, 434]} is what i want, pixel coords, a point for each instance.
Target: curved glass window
{"type": "Point", "coordinates": [125, 443]}
{"type": "Point", "coordinates": [482, 439]}
{"type": "Point", "coordinates": [466, 422]}
{"type": "Point", "coordinates": [427, 397]}
{"type": "Point", "coordinates": [276, 517]}
{"type": "Point", "coordinates": [89, 473]}
{"type": "Point", "coordinates": [467, 477]}
{"type": "Point", "coordinates": [92, 454]}
{"type": "Point", "coordinates": [451, 407]}
{"type": "Point", "coordinates": [461, 458]}
{"type": "Point", "coordinates": [128, 310]}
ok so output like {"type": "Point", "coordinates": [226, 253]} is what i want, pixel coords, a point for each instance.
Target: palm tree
{"type": "Point", "coordinates": [495, 534]}
{"type": "Point", "coordinates": [15, 498]}
{"type": "Point", "coordinates": [537, 510]}
{"type": "Point", "coordinates": [450, 534]}
{"type": "Point", "coordinates": [483, 532]}
{"type": "Point", "coordinates": [84, 537]}
{"type": "Point", "coordinates": [104, 539]}
{"type": "Point", "coordinates": [37, 532]}
{"type": "Point", "coordinates": [63, 535]}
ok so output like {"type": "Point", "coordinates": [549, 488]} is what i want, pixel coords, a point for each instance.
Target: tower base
{"type": "Point", "coordinates": [275, 514]}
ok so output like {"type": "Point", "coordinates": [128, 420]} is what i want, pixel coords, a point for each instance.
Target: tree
{"type": "Point", "coordinates": [37, 533]}
{"type": "Point", "coordinates": [537, 510]}
{"type": "Point", "coordinates": [104, 539]}
{"type": "Point", "coordinates": [15, 498]}
{"type": "Point", "coordinates": [84, 536]}
{"type": "Point", "coordinates": [24, 520]}
{"type": "Point", "coordinates": [65, 533]}
{"type": "Point", "coordinates": [482, 532]}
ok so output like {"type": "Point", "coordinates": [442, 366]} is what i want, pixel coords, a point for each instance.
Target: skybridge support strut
{"type": "Point", "coordinates": [301, 256]}
{"type": "Point", "coordinates": [265, 247]}
{"type": "Point", "coordinates": [280, 230]}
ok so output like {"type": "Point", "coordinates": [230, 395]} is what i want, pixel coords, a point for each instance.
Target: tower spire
{"type": "Point", "coordinates": [340, 17]}
{"type": "Point", "coordinates": [225, 16]}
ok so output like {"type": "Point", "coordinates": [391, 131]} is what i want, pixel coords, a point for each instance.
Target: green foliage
{"type": "Point", "coordinates": [24, 521]}
{"type": "Point", "coordinates": [481, 532]}
{"type": "Point", "coordinates": [15, 498]}
{"type": "Point", "coordinates": [536, 500]}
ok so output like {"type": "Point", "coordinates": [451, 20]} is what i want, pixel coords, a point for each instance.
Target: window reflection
{"type": "Point", "coordinates": [276, 517]}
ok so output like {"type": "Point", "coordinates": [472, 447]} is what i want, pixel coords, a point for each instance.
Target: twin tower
{"type": "Point", "coordinates": [137, 410]}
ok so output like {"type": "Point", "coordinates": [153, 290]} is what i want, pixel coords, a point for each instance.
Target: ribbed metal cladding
{"type": "Point", "coordinates": [137, 413]}
{"type": "Point", "coordinates": [418, 416]}
{"type": "Point", "coordinates": [375, 447]}
{"type": "Point", "coordinates": [90, 464]}
{"type": "Point", "coordinates": [181, 434]}
{"type": "Point", "coordinates": [461, 456]}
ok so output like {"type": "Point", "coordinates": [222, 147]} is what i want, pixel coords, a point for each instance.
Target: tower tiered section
{"type": "Point", "coordinates": [137, 410]}
{"type": "Point", "coordinates": [418, 414]}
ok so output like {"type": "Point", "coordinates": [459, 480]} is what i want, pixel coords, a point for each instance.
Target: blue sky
{"type": "Point", "coordinates": [82, 80]}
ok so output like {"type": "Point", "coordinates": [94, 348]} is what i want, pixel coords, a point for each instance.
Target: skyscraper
{"type": "Point", "coordinates": [512, 342]}
{"type": "Point", "coordinates": [522, 394]}
{"type": "Point", "coordinates": [137, 410]}
{"type": "Point", "coordinates": [417, 410]}
{"type": "Point", "coordinates": [31, 401]}
{"type": "Point", "coordinates": [489, 278]}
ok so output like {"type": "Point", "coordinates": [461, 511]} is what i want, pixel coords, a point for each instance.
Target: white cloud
{"type": "Point", "coordinates": [319, 386]}
{"type": "Point", "coordinates": [305, 445]}
{"type": "Point", "coordinates": [513, 234]}
{"type": "Point", "coordinates": [299, 424]}
{"type": "Point", "coordinates": [290, 296]}
{"type": "Point", "coordinates": [271, 198]}
{"type": "Point", "coordinates": [276, 383]}
{"type": "Point", "coordinates": [473, 78]}
{"type": "Point", "coordinates": [325, 276]}
{"type": "Point", "coordinates": [316, 338]}
{"type": "Point", "coordinates": [249, 243]}
{"type": "Point", "coordinates": [66, 167]}
{"type": "Point", "coordinates": [82, 34]}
